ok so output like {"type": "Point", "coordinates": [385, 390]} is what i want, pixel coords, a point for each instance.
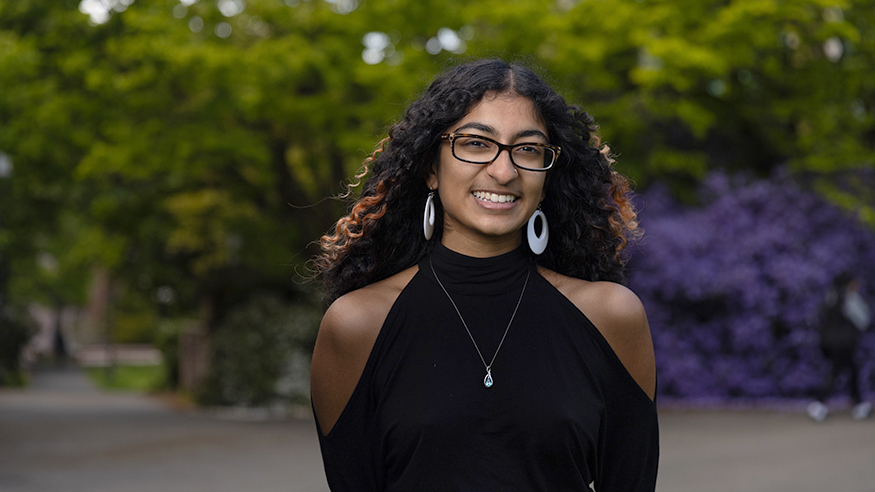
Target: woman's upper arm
{"type": "Point", "coordinates": [620, 317]}
{"type": "Point", "coordinates": [346, 338]}
{"type": "Point", "coordinates": [344, 343]}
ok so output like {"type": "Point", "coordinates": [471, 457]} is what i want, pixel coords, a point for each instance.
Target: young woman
{"type": "Point", "coordinates": [478, 337]}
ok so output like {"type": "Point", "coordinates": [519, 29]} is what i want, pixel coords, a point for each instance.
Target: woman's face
{"type": "Point", "coordinates": [486, 205]}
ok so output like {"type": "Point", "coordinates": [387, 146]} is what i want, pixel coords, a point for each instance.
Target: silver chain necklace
{"type": "Point", "coordinates": [487, 381]}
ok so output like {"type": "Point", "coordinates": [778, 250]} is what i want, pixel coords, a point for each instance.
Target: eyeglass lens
{"type": "Point", "coordinates": [481, 150]}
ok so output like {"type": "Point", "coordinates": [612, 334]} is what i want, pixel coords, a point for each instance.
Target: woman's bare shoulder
{"type": "Point", "coordinates": [362, 311]}
{"type": "Point", "coordinates": [620, 317]}
{"type": "Point", "coordinates": [346, 337]}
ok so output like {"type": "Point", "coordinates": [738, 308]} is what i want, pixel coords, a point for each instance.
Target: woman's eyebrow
{"type": "Point", "coordinates": [477, 126]}
{"type": "Point", "coordinates": [532, 133]}
{"type": "Point", "coordinates": [491, 131]}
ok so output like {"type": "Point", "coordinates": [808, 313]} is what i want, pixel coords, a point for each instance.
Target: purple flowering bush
{"type": "Point", "coordinates": [733, 288]}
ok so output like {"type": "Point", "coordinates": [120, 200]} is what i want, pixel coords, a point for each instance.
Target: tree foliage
{"type": "Point", "coordinates": [193, 145]}
{"type": "Point", "coordinates": [282, 336]}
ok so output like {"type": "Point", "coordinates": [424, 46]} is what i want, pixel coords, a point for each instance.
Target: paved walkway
{"type": "Point", "coordinates": [762, 451]}
{"type": "Point", "coordinates": [63, 435]}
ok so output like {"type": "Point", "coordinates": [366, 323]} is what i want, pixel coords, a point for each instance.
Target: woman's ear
{"type": "Point", "coordinates": [544, 188]}
{"type": "Point", "coordinates": [431, 179]}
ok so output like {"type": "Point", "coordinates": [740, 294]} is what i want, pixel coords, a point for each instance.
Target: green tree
{"type": "Point", "coordinates": [191, 145]}
{"type": "Point", "coordinates": [683, 87]}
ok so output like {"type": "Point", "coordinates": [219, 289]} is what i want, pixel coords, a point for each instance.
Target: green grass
{"type": "Point", "coordinates": [128, 378]}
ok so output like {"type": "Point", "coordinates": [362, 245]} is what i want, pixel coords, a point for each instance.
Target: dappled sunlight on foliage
{"type": "Point", "coordinates": [200, 146]}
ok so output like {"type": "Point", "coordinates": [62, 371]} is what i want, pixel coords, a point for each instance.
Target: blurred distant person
{"type": "Point", "coordinates": [844, 317]}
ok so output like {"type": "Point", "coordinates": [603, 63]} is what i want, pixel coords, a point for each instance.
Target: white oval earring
{"type": "Point", "coordinates": [538, 243]}
{"type": "Point", "coordinates": [428, 218]}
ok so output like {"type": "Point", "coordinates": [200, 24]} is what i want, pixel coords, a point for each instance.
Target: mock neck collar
{"type": "Point", "coordinates": [478, 276]}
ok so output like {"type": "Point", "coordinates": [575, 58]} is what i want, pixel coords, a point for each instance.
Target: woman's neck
{"type": "Point", "coordinates": [461, 273]}
{"type": "Point", "coordinates": [480, 249]}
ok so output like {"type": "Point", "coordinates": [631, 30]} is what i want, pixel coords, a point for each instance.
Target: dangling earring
{"type": "Point", "coordinates": [428, 218]}
{"type": "Point", "coordinates": [538, 243]}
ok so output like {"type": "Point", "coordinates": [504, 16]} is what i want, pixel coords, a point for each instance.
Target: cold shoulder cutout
{"type": "Point", "coordinates": [346, 336]}
{"type": "Point", "coordinates": [619, 316]}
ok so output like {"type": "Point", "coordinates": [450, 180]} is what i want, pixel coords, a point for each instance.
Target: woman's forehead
{"type": "Point", "coordinates": [503, 113]}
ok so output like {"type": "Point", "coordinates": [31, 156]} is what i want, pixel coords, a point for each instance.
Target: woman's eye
{"type": "Point", "coordinates": [529, 149]}
{"type": "Point", "coordinates": [475, 143]}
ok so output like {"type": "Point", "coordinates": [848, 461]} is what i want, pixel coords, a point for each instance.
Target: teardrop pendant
{"type": "Point", "coordinates": [487, 381]}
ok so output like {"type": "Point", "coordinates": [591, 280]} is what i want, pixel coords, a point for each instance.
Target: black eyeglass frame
{"type": "Point", "coordinates": [451, 137]}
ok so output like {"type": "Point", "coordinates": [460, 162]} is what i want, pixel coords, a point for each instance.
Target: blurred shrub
{"type": "Point", "coordinates": [260, 354]}
{"type": "Point", "coordinates": [135, 318]}
{"type": "Point", "coordinates": [135, 327]}
{"type": "Point", "coordinates": [733, 287]}
{"type": "Point", "coordinates": [16, 330]}
{"type": "Point", "coordinates": [128, 378]}
{"type": "Point", "coordinates": [167, 337]}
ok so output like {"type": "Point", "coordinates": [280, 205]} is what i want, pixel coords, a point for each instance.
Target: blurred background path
{"type": "Point", "coordinates": [61, 434]}
{"type": "Point", "coordinates": [765, 451]}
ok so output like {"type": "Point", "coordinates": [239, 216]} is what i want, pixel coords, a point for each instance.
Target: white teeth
{"type": "Point", "coordinates": [494, 197]}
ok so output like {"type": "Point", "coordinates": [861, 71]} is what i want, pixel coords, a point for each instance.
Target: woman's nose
{"type": "Point", "coordinates": [502, 169]}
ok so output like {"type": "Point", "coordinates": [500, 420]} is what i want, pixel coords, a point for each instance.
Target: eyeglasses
{"type": "Point", "coordinates": [478, 149]}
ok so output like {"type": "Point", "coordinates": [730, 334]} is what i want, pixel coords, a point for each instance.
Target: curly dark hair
{"type": "Point", "coordinates": [587, 202]}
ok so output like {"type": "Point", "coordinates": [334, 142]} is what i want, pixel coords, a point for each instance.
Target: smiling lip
{"type": "Point", "coordinates": [488, 197]}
